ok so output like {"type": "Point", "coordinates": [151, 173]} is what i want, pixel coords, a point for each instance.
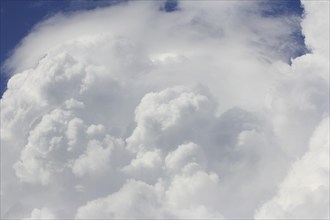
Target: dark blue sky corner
{"type": "Point", "coordinates": [18, 17]}
{"type": "Point", "coordinates": [170, 6]}
{"type": "Point", "coordinates": [278, 8]}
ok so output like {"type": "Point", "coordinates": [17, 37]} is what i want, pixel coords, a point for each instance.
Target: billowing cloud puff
{"type": "Point", "coordinates": [132, 112]}
{"type": "Point", "coordinates": [183, 155]}
{"type": "Point", "coordinates": [305, 191]}
{"type": "Point", "coordinates": [43, 213]}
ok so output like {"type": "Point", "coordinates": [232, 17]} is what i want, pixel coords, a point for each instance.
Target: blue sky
{"type": "Point", "coordinates": [19, 16]}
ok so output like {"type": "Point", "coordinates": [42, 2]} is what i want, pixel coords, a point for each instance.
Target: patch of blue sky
{"type": "Point", "coordinates": [281, 7]}
{"type": "Point", "coordinates": [278, 8]}
{"type": "Point", "coordinates": [170, 6]}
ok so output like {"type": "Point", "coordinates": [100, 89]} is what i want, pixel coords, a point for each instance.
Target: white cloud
{"type": "Point", "coordinates": [197, 189]}
{"type": "Point", "coordinates": [166, 115]}
{"type": "Point", "coordinates": [131, 112]}
{"type": "Point", "coordinates": [315, 25]}
{"type": "Point", "coordinates": [95, 159]}
{"type": "Point", "coordinates": [187, 196]}
{"type": "Point", "coordinates": [304, 193]}
{"type": "Point", "coordinates": [39, 155]}
{"type": "Point", "coordinates": [134, 200]}
{"type": "Point", "coordinates": [146, 166]}
{"type": "Point", "coordinates": [43, 213]}
{"type": "Point", "coordinates": [184, 154]}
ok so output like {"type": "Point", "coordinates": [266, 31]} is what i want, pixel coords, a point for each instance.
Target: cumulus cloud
{"type": "Point", "coordinates": [132, 112]}
{"type": "Point", "coordinates": [305, 191]}
{"type": "Point", "coordinates": [43, 213]}
{"type": "Point", "coordinates": [185, 153]}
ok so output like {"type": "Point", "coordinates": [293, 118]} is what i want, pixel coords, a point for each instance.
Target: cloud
{"type": "Point", "coordinates": [305, 190]}
{"type": "Point", "coordinates": [94, 159]}
{"type": "Point", "coordinates": [177, 159]}
{"type": "Point", "coordinates": [43, 213]}
{"type": "Point", "coordinates": [166, 115]}
{"type": "Point", "coordinates": [133, 200]}
{"type": "Point", "coordinates": [312, 25]}
{"type": "Point", "coordinates": [132, 112]}
{"type": "Point", "coordinates": [136, 199]}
